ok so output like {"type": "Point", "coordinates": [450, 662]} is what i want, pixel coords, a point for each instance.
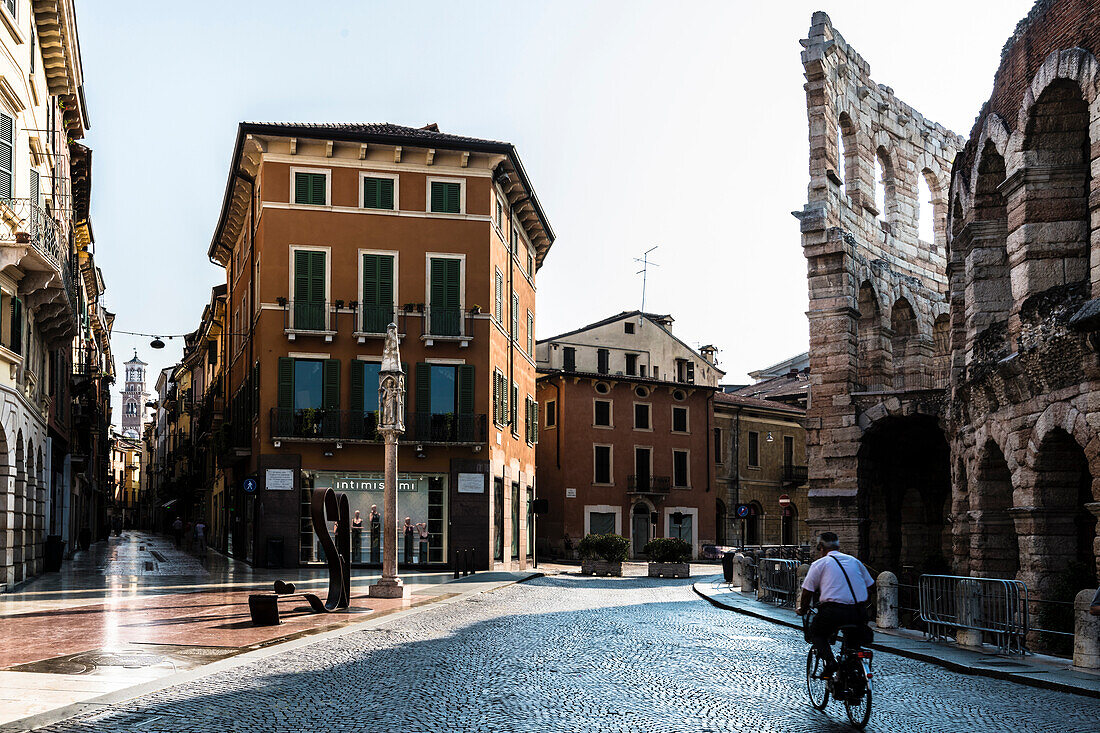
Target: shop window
{"type": "Point", "coordinates": [601, 522]}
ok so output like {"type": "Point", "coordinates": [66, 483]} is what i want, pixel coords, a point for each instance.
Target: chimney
{"type": "Point", "coordinates": [710, 353]}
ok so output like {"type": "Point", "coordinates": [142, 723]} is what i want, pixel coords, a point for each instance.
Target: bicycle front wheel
{"type": "Point", "coordinates": [816, 687]}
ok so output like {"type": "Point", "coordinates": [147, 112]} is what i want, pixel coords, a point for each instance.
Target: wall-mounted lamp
{"type": "Point", "coordinates": [769, 438]}
{"type": "Point", "coordinates": [278, 443]}
{"type": "Point", "coordinates": [328, 454]}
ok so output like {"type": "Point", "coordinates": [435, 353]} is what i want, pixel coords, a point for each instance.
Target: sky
{"type": "Point", "coordinates": [680, 125]}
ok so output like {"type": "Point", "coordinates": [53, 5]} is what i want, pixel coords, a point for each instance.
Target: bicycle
{"type": "Point", "coordinates": [850, 683]}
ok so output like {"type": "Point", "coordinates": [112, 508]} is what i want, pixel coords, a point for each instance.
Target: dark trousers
{"type": "Point", "coordinates": [830, 617]}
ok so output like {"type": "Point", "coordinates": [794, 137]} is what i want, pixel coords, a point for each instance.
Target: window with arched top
{"type": "Point", "coordinates": [926, 213]}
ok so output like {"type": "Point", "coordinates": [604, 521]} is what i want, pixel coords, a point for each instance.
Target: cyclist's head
{"type": "Point", "coordinates": [828, 541]}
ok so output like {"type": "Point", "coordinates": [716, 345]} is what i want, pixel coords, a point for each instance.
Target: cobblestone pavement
{"type": "Point", "coordinates": [566, 653]}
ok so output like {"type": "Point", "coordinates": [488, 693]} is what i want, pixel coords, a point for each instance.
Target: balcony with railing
{"type": "Point", "coordinates": [308, 318]}
{"type": "Point", "coordinates": [33, 241]}
{"type": "Point", "coordinates": [372, 320]}
{"type": "Point", "coordinates": [639, 484]}
{"type": "Point", "coordinates": [445, 324]}
{"type": "Point", "coordinates": [795, 475]}
{"type": "Point", "coordinates": [358, 426]}
{"type": "Point", "coordinates": [906, 382]}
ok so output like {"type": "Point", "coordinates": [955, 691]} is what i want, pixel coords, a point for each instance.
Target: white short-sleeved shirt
{"type": "Point", "coordinates": [825, 576]}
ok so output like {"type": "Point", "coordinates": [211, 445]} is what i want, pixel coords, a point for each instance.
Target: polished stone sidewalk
{"type": "Point", "coordinates": [134, 610]}
{"type": "Point", "coordinates": [1037, 670]}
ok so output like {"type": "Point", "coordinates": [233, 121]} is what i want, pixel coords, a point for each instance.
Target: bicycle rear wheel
{"type": "Point", "coordinates": [859, 708]}
{"type": "Point", "coordinates": [816, 687]}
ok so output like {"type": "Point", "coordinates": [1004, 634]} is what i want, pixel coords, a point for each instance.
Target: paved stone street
{"type": "Point", "coordinates": [570, 654]}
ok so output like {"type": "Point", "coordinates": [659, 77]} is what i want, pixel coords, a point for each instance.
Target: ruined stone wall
{"type": "Point", "coordinates": [1024, 254]}
{"type": "Point", "coordinates": [878, 311]}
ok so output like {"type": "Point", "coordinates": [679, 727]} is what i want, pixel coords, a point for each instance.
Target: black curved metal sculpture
{"type": "Point", "coordinates": [327, 506]}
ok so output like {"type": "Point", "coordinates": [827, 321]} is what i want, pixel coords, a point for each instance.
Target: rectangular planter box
{"type": "Point", "coordinates": [599, 567]}
{"type": "Point", "coordinates": [669, 570]}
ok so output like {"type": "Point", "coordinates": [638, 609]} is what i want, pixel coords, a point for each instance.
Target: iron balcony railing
{"type": "Point", "coordinates": [27, 219]}
{"type": "Point", "coordinates": [795, 474]}
{"type": "Point", "coordinates": [373, 318]}
{"type": "Point", "coordinates": [304, 315]}
{"type": "Point", "coordinates": [362, 426]}
{"type": "Point", "coordinates": [648, 484]}
{"type": "Point", "coordinates": [444, 322]}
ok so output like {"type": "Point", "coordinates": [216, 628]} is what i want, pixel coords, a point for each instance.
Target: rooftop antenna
{"type": "Point", "coordinates": [646, 264]}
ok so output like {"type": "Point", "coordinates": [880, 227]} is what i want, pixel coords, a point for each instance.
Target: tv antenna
{"type": "Point", "coordinates": [644, 272]}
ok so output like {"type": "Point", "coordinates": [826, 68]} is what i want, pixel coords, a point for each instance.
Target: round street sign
{"type": "Point", "coordinates": [250, 486]}
{"type": "Point", "coordinates": [784, 500]}
{"type": "Point", "coordinates": [742, 510]}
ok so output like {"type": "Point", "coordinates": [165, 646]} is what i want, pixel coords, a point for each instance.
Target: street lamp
{"type": "Point", "coordinates": [391, 423]}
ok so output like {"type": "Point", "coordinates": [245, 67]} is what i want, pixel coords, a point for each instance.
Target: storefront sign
{"type": "Point", "coordinates": [375, 482]}
{"type": "Point", "coordinates": [279, 479]}
{"type": "Point", "coordinates": [471, 483]}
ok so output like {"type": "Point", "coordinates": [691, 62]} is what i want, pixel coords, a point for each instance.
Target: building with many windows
{"type": "Point", "coordinates": [328, 233]}
{"type": "Point", "coordinates": [626, 442]}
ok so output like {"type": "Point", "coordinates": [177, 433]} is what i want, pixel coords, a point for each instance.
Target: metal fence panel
{"type": "Point", "coordinates": [779, 580]}
{"type": "Point", "coordinates": [998, 608]}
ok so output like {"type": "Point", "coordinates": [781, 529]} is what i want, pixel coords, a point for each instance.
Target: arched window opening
{"type": "Point", "coordinates": [1057, 141]}
{"type": "Point", "coordinates": [847, 157]}
{"type": "Point", "coordinates": [926, 213]}
{"type": "Point", "coordinates": [994, 549]}
{"type": "Point", "coordinates": [873, 354]}
{"type": "Point", "coordinates": [988, 256]}
{"type": "Point", "coordinates": [885, 186]}
{"type": "Point", "coordinates": [904, 347]}
{"type": "Point", "coordinates": [880, 189]}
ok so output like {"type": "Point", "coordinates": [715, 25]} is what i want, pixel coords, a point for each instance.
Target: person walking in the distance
{"type": "Point", "coordinates": [842, 584]}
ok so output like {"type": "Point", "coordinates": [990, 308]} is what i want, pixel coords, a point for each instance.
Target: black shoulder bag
{"type": "Point", "coordinates": [867, 613]}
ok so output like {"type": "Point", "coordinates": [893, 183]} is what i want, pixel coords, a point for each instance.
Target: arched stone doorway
{"type": "Point", "coordinates": [1057, 535]}
{"type": "Point", "coordinates": [753, 533]}
{"type": "Point", "coordinates": [788, 533]}
{"type": "Point", "coordinates": [904, 487]}
{"type": "Point", "coordinates": [994, 551]}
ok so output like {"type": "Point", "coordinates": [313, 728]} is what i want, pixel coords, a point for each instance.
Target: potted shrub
{"type": "Point", "coordinates": [669, 557]}
{"type": "Point", "coordinates": [603, 554]}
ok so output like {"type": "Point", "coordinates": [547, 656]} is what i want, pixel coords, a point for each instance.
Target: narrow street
{"type": "Point", "coordinates": [565, 653]}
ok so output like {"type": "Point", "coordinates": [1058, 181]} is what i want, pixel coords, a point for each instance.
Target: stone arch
{"type": "Point", "coordinates": [994, 133]}
{"type": "Point", "coordinates": [20, 534]}
{"type": "Point", "coordinates": [873, 343]}
{"type": "Point", "coordinates": [941, 350]}
{"type": "Point", "coordinates": [754, 529]}
{"type": "Point", "coordinates": [904, 483]}
{"type": "Point", "coordinates": [989, 293]}
{"type": "Point", "coordinates": [1076, 65]}
{"type": "Point", "coordinates": [905, 347]}
{"type": "Point", "coordinates": [960, 511]}
{"type": "Point", "coordinates": [994, 550]}
{"type": "Point", "coordinates": [1050, 248]}
{"type": "Point", "coordinates": [848, 152]}
{"type": "Point", "coordinates": [889, 184]}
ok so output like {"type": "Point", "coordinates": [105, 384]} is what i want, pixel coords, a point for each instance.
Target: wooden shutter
{"type": "Point", "coordinates": [534, 421]}
{"type": "Point", "coordinates": [34, 182]}
{"type": "Point", "coordinates": [317, 189]}
{"type": "Point", "coordinates": [317, 277]}
{"type": "Point", "coordinates": [301, 275]}
{"type": "Point", "coordinates": [515, 316]}
{"type": "Point", "coordinates": [496, 397]}
{"type": "Point", "coordinates": [466, 389]}
{"type": "Point", "coordinates": [454, 203]}
{"type": "Point", "coordinates": [7, 156]}
{"type": "Point", "coordinates": [453, 268]}
{"type": "Point", "coordinates": [446, 197]}
{"type": "Point", "coordinates": [357, 386]}
{"type": "Point", "coordinates": [370, 193]}
{"type": "Point", "coordinates": [301, 188]}
{"type": "Point", "coordinates": [331, 386]}
{"type": "Point", "coordinates": [286, 383]}
{"type": "Point", "coordinates": [513, 414]}
{"type": "Point", "coordinates": [438, 196]}
{"type": "Point", "coordinates": [500, 297]}
{"type": "Point", "coordinates": [17, 325]}
{"type": "Point", "coordinates": [385, 193]}
{"type": "Point", "coordinates": [424, 388]}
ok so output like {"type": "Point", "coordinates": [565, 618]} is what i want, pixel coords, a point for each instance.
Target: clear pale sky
{"type": "Point", "coordinates": [678, 124]}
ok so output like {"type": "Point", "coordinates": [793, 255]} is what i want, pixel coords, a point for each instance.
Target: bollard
{"type": "Point", "coordinates": [470, 561]}
{"type": "Point", "coordinates": [800, 577]}
{"type": "Point", "coordinates": [738, 570]}
{"type": "Point", "coordinates": [748, 577]}
{"type": "Point", "coordinates": [1086, 632]}
{"type": "Point", "coordinates": [886, 607]}
{"type": "Point", "coordinates": [456, 563]}
{"type": "Point", "coordinates": [968, 601]}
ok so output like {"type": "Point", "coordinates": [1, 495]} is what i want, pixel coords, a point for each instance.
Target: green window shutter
{"type": "Point", "coordinates": [454, 269]}
{"type": "Point", "coordinates": [370, 279]}
{"type": "Point", "coordinates": [446, 197]}
{"type": "Point", "coordinates": [534, 421]}
{"type": "Point", "coordinates": [17, 325]}
{"type": "Point", "coordinates": [439, 285]}
{"type": "Point", "coordinates": [500, 297]}
{"type": "Point", "coordinates": [515, 316]}
{"type": "Point", "coordinates": [286, 383]}
{"type": "Point", "coordinates": [466, 389]}
{"type": "Point", "coordinates": [513, 414]}
{"type": "Point", "coordinates": [357, 387]}
{"type": "Point", "coordinates": [530, 333]}
{"type": "Point", "coordinates": [496, 397]}
{"type": "Point", "coordinates": [301, 275]}
{"type": "Point", "coordinates": [331, 387]}
{"type": "Point", "coordinates": [7, 156]}
{"type": "Point", "coordinates": [371, 197]}
{"type": "Point", "coordinates": [317, 193]}
{"type": "Point", "coordinates": [377, 292]}
{"type": "Point", "coordinates": [385, 193]}
{"type": "Point", "coordinates": [423, 388]}
{"type": "Point", "coordinates": [301, 188]}
{"type": "Point", "coordinates": [317, 277]}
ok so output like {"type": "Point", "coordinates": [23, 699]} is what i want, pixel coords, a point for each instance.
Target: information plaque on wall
{"type": "Point", "coordinates": [471, 483]}
{"type": "Point", "coordinates": [279, 479]}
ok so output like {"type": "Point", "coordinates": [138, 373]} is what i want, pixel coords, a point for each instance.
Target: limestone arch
{"type": "Point", "coordinates": [883, 154]}
{"type": "Point", "coordinates": [994, 132]}
{"type": "Point", "coordinates": [994, 549]}
{"type": "Point", "coordinates": [1073, 64]}
{"type": "Point", "coordinates": [905, 346]}
{"type": "Point", "coordinates": [848, 152]}
{"type": "Point", "coordinates": [873, 363]}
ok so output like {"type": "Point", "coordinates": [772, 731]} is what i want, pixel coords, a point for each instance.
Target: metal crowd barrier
{"type": "Point", "coordinates": [778, 580]}
{"type": "Point", "coordinates": [997, 608]}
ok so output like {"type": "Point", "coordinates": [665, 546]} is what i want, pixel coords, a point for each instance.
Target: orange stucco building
{"type": "Point", "coordinates": [327, 234]}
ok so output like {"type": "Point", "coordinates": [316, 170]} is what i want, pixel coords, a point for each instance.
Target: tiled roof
{"type": "Point", "coordinates": [743, 401]}
{"type": "Point", "coordinates": [427, 134]}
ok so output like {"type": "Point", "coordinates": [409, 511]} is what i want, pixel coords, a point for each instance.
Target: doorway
{"type": "Point", "coordinates": [640, 528]}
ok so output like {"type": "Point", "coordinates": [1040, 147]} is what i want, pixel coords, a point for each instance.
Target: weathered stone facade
{"type": "Point", "coordinates": [956, 392]}
{"type": "Point", "coordinates": [879, 324]}
{"type": "Point", "coordinates": [1024, 259]}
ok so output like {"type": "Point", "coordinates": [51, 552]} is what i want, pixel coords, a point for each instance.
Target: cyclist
{"type": "Point", "coordinates": [843, 584]}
